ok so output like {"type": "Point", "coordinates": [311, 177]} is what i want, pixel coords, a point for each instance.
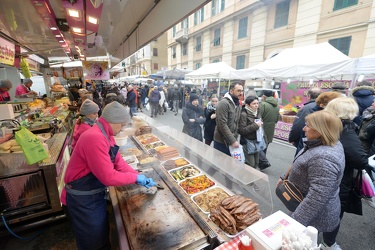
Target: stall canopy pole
{"type": "Point", "coordinates": [218, 90]}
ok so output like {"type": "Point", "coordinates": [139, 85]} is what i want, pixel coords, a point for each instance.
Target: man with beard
{"type": "Point", "coordinates": [227, 117]}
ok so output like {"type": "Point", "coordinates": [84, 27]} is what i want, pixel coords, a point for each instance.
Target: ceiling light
{"type": "Point", "coordinates": [288, 81]}
{"type": "Point", "coordinates": [93, 20]}
{"type": "Point", "coordinates": [311, 81]}
{"type": "Point", "coordinates": [73, 13]}
{"type": "Point", "coordinates": [61, 41]}
{"type": "Point", "coordinates": [53, 28]}
{"type": "Point", "coordinates": [58, 35]}
{"type": "Point", "coordinates": [77, 30]}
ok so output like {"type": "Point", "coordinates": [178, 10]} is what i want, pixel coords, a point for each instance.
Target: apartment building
{"type": "Point", "coordinates": [148, 60]}
{"type": "Point", "coordinates": [243, 33]}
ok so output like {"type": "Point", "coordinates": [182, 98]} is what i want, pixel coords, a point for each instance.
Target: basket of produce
{"type": "Point", "coordinates": [182, 173]}
{"type": "Point", "coordinates": [196, 184]}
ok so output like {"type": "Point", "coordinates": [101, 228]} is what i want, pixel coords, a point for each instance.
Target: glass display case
{"type": "Point", "coordinates": [227, 173]}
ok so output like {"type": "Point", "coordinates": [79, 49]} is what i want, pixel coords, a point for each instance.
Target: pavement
{"type": "Point", "coordinates": [356, 232]}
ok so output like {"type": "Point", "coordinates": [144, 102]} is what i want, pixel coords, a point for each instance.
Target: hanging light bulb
{"type": "Point", "coordinates": [311, 81]}
{"type": "Point", "coordinates": [272, 83]}
{"type": "Point", "coordinates": [288, 81]}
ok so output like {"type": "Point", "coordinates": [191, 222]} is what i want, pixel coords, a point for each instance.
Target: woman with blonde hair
{"type": "Point", "coordinates": [317, 171]}
{"type": "Point", "coordinates": [355, 158]}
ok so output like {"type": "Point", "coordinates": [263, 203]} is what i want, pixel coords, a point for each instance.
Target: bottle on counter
{"type": "Point", "coordinates": [245, 243]}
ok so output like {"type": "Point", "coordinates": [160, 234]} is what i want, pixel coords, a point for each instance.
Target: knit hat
{"type": "Point", "coordinates": [116, 113]}
{"type": "Point", "coordinates": [267, 93]}
{"type": "Point", "coordinates": [26, 80]}
{"type": "Point", "coordinates": [339, 86]}
{"type": "Point", "coordinates": [110, 94]}
{"type": "Point", "coordinates": [5, 84]}
{"type": "Point", "coordinates": [88, 107]}
{"type": "Point", "coordinates": [193, 97]}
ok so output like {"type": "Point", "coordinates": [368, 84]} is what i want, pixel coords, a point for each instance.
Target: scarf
{"type": "Point", "coordinates": [254, 112]}
{"type": "Point", "coordinates": [235, 100]}
{"type": "Point", "coordinates": [209, 107]}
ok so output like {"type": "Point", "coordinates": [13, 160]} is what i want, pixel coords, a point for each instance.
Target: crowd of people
{"type": "Point", "coordinates": [333, 134]}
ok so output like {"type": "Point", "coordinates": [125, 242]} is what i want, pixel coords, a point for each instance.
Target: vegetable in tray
{"type": "Point", "coordinates": [196, 184]}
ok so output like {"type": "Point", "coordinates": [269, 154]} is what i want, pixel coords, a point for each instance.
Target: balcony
{"type": "Point", "coordinates": [182, 36]}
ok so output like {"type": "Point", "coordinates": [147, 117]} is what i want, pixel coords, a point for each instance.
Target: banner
{"type": "Point", "coordinates": [95, 70]}
{"type": "Point", "coordinates": [7, 52]}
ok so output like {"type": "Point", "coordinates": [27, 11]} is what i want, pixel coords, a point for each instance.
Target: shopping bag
{"type": "Point", "coordinates": [147, 106]}
{"type": "Point", "coordinates": [364, 184]}
{"type": "Point", "coordinates": [237, 153]}
{"type": "Point", "coordinates": [146, 100]}
{"type": "Point", "coordinates": [31, 146]}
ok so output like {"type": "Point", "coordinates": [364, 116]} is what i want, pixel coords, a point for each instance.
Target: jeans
{"type": "Point", "coordinates": [222, 148]}
{"type": "Point", "coordinates": [133, 110]}
{"type": "Point", "coordinates": [175, 105]}
{"type": "Point", "coordinates": [154, 109]}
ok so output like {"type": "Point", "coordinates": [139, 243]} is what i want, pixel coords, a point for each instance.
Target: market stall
{"type": "Point", "coordinates": [174, 216]}
{"type": "Point", "coordinates": [30, 192]}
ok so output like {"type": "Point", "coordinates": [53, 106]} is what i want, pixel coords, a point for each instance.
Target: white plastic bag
{"type": "Point", "coordinates": [146, 100]}
{"type": "Point", "coordinates": [237, 153]}
{"type": "Point", "coordinates": [148, 106]}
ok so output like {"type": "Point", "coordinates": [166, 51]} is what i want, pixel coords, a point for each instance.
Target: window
{"type": "Point", "coordinates": [198, 44]}
{"type": "Point", "coordinates": [185, 23]}
{"type": "Point", "coordinates": [174, 31]}
{"type": "Point", "coordinates": [184, 49]}
{"type": "Point", "coordinates": [282, 14]}
{"type": "Point", "coordinates": [199, 16]}
{"type": "Point", "coordinates": [156, 66]}
{"type": "Point", "coordinates": [240, 62]}
{"type": "Point", "coordinates": [341, 4]}
{"type": "Point", "coordinates": [215, 61]}
{"type": "Point", "coordinates": [217, 6]}
{"type": "Point", "coordinates": [197, 65]}
{"type": "Point", "coordinates": [242, 28]}
{"type": "Point", "coordinates": [174, 52]}
{"type": "Point", "coordinates": [342, 44]}
{"type": "Point", "coordinates": [155, 51]}
{"type": "Point", "coordinates": [217, 37]}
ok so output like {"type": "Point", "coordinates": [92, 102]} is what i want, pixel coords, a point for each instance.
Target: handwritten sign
{"type": "Point", "coordinates": [7, 52]}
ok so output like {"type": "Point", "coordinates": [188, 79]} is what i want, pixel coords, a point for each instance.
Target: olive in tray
{"type": "Point", "coordinates": [184, 172]}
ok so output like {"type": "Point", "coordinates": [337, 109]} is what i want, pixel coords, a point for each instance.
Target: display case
{"type": "Point", "coordinates": [29, 193]}
{"type": "Point", "coordinates": [171, 211]}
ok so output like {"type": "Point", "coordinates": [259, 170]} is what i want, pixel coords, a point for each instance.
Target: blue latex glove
{"type": "Point", "coordinates": [143, 181]}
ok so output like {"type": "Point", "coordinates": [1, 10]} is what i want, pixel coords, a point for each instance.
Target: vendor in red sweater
{"type": "Point", "coordinates": [88, 113]}
{"type": "Point", "coordinates": [94, 165]}
{"type": "Point", "coordinates": [5, 86]}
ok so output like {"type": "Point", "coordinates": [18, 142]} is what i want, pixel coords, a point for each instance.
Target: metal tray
{"type": "Point", "coordinates": [170, 172]}
{"type": "Point", "coordinates": [204, 192]}
{"type": "Point", "coordinates": [187, 179]}
{"type": "Point", "coordinates": [176, 158]}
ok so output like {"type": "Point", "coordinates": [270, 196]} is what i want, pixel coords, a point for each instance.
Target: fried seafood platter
{"type": "Point", "coordinates": [234, 214]}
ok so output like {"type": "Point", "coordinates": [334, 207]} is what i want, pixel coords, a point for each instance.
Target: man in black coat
{"type": "Point", "coordinates": [299, 121]}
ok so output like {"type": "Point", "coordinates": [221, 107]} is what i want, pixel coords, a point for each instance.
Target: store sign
{"type": "Point", "coordinates": [7, 52]}
{"type": "Point", "coordinates": [95, 70]}
{"type": "Point", "coordinates": [282, 130]}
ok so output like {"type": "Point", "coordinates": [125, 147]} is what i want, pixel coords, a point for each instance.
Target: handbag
{"type": "Point", "coordinates": [31, 146]}
{"type": "Point", "coordinates": [288, 193]}
{"type": "Point", "coordinates": [364, 184]}
{"type": "Point", "coordinates": [254, 146]}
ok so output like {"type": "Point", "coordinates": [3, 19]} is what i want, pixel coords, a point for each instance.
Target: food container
{"type": "Point", "coordinates": [131, 160]}
{"type": "Point", "coordinates": [209, 198]}
{"type": "Point", "coordinates": [233, 235]}
{"type": "Point", "coordinates": [121, 140]}
{"type": "Point", "coordinates": [196, 184]}
{"type": "Point", "coordinates": [178, 162]}
{"type": "Point", "coordinates": [184, 172]}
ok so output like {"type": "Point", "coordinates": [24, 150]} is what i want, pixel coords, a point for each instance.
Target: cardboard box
{"type": "Point", "coordinates": [6, 111]}
{"type": "Point", "coordinates": [267, 233]}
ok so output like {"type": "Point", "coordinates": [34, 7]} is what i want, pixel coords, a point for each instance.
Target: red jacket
{"type": "Point", "coordinates": [78, 130]}
{"type": "Point", "coordinates": [91, 156]}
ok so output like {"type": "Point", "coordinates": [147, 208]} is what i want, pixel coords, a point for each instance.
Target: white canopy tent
{"type": "Point", "coordinates": [314, 61]}
{"type": "Point", "coordinates": [175, 73]}
{"type": "Point", "coordinates": [365, 65]}
{"type": "Point", "coordinates": [219, 70]}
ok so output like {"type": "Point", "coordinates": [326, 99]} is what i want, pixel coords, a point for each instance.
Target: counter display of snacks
{"type": "Point", "coordinates": [210, 198]}
{"type": "Point", "coordinates": [196, 184]}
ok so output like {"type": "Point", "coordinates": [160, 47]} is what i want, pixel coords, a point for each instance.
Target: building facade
{"type": "Point", "coordinates": [243, 33]}
{"type": "Point", "coordinates": [151, 58]}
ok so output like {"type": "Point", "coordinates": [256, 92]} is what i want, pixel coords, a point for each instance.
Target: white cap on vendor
{"type": "Point", "coordinates": [88, 107]}
{"type": "Point", "coordinates": [116, 113]}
